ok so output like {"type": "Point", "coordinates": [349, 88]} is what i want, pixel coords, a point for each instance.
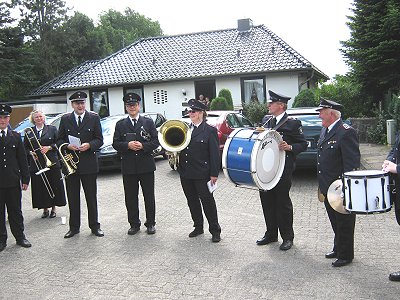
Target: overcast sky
{"type": "Point", "coordinates": [314, 28]}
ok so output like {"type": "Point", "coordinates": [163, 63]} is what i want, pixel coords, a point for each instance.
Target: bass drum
{"type": "Point", "coordinates": [252, 158]}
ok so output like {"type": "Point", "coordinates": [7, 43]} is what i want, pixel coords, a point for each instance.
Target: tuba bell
{"type": "Point", "coordinates": [69, 160]}
{"type": "Point", "coordinates": [174, 136]}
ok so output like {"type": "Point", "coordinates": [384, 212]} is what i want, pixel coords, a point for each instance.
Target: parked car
{"type": "Point", "coordinates": [108, 157]}
{"type": "Point", "coordinates": [51, 119]}
{"type": "Point", "coordinates": [312, 126]}
{"type": "Point", "coordinates": [225, 121]}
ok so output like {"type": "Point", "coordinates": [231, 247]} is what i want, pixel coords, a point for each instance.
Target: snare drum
{"type": "Point", "coordinates": [367, 192]}
{"type": "Point", "coordinates": [253, 158]}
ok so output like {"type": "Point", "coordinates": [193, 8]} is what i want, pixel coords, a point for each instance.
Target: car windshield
{"type": "Point", "coordinates": [26, 123]}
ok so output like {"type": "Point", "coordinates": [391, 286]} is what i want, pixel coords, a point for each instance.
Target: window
{"type": "Point", "coordinates": [99, 102]}
{"type": "Point", "coordinates": [253, 89]}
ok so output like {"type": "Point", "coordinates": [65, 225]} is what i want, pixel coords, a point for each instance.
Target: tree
{"type": "Point", "coordinates": [225, 93]}
{"type": "Point", "coordinates": [219, 103]}
{"type": "Point", "coordinates": [121, 30]}
{"type": "Point", "coordinates": [373, 50]}
{"type": "Point", "coordinates": [306, 98]}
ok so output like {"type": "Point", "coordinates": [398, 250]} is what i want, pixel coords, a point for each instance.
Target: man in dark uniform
{"type": "Point", "coordinates": [276, 203]}
{"type": "Point", "coordinates": [86, 127]}
{"type": "Point", "coordinates": [392, 165]}
{"type": "Point", "coordinates": [198, 166]}
{"type": "Point", "coordinates": [14, 174]}
{"type": "Point", "coordinates": [135, 137]}
{"type": "Point", "coordinates": [338, 152]}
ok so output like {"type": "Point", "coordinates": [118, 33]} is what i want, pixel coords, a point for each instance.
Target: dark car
{"type": "Point", "coordinates": [108, 157]}
{"type": "Point", "coordinates": [225, 121]}
{"type": "Point", "coordinates": [312, 126]}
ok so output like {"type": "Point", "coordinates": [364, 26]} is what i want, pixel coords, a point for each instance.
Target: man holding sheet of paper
{"type": "Point", "coordinates": [81, 129]}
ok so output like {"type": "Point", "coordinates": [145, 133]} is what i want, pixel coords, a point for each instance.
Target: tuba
{"type": "Point", "coordinates": [42, 162]}
{"type": "Point", "coordinates": [174, 136]}
{"type": "Point", "coordinates": [69, 160]}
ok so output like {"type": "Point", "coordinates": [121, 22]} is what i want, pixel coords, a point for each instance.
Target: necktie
{"type": "Point", "coordinates": [39, 133]}
{"type": "Point", "coordinates": [273, 122]}
{"type": "Point", "coordinates": [326, 130]}
{"type": "Point", "coordinates": [134, 121]}
{"type": "Point", "coordinates": [79, 121]}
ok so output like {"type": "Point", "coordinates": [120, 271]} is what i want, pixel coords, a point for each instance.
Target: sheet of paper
{"type": "Point", "coordinates": [73, 140]}
{"type": "Point", "coordinates": [211, 187]}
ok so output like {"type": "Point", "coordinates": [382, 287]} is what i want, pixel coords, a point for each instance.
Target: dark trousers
{"type": "Point", "coordinates": [197, 195]}
{"type": "Point", "coordinates": [131, 188]}
{"type": "Point", "coordinates": [278, 210]}
{"type": "Point", "coordinates": [89, 184]}
{"type": "Point", "coordinates": [343, 227]}
{"type": "Point", "coordinates": [11, 198]}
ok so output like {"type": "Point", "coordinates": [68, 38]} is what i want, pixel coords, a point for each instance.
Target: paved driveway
{"type": "Point", "coordinates": [169, 265]}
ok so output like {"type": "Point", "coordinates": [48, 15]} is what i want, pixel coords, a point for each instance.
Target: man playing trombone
{"type": "Point", "coordinates": [83, 126]}
{"type": "Point", "coordinates": [46, 187]}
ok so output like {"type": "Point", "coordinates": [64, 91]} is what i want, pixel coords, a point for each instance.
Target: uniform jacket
{"type": "Point", "coordinates": [48, 137]}
{"type": "Point", "coordinates": [394, 156]}
{"type": "Point", "coordinates": [201, 159]}
{"type": "Point", "coordinates": [13, 163]}
{"type": "Point", "coordinates": [338, 152]}
{"type": "Point", "coordinates": [89, 132]}
{"type": "Point", "coordinates": [292, 134]}
{"type": "Point", "coordinates": [136, 162]}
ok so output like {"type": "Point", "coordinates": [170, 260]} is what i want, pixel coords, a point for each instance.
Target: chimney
{"type": "Point", "coordinates": [245, 25]}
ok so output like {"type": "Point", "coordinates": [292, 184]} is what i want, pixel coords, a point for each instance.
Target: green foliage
{"type": "Point", "coordinates": [394, 109]}
{"type": "Point", "coordinates": [219, 103]}
{"type": "Point", "coordinates": [228, 96]}
{"type": "Point", "coordinates": [255, 111]}
{"type": "Point", "coordinates": [377, 134]}
{"type": "Point", "coordinates": [373, 49]}
{"type": "Point", "coordinates": [306, 98]}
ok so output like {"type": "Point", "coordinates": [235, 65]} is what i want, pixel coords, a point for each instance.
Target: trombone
{"type": "Point", "coordinates": [69, 160]}
{"type": "Point", "coordinates": [37, 156]}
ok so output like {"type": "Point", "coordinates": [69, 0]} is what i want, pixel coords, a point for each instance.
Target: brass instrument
{"type": "Point", "coordinates": [174, 136]}
{"type": "Point", "coordinates": [69, 160]}
{"type": "Point", "coordinates": [36, 148]}
{"type": "Point", "coordinates": [40, 159]}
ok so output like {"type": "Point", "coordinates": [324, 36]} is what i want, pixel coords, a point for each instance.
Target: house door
{"type": "Point", "coordinates": [205, 88]}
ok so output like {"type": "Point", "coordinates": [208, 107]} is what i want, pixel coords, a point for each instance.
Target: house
{"type": "Point", "coordinates": [167, 71]}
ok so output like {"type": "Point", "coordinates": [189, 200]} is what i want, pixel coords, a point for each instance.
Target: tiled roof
{"type": "Point", "coordinates": [45, 89]}
{"type": "Point", "coordinates": [191, 56]}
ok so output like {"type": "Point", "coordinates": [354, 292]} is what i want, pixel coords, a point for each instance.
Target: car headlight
{"type": "Point", "coordinates": [108, 150]}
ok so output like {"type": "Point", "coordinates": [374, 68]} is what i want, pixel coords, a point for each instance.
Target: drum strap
{"type": "Point", "coordinates": [280, 123]}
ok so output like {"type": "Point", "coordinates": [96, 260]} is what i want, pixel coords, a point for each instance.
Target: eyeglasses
{"type": "Point", "coordinates": [192, 111]}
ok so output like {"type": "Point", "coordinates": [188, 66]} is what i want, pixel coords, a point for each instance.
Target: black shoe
{"type": "Point", "coordinates": [286, 245]}
{"type": "Point", "coordinates": [98, 232]}
{"type": "Point", "coordinates": [216, 237]}
{"type": "Point", "coordinates": [341, 262]}
{"type": "Point", "coordinates": [151, 229]}
{"type": "Point", "coordinates": [24, 243]}
{"type": "Point", "coordinates": [70, 234]}
{"type": "Point", "coordinates": [53, 214]}
{"type": "Point", "coordinates": [265, 240]}
{"type": "Point", "coordinates": [394, 276]}
{"type": "Point", "coordinates": [331, 254]}
{"type": "Point", "coordinates": [196, 232]}
{"type": "Point", "coordinates": [2, 246]}
{"type": "Point", "coordinates": [45, 214]}
{"type": "Point", "coordinates": [133, 230]}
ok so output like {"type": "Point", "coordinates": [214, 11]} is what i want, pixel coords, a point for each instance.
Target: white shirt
{"type": "Point", "coordinates": [76, 117]}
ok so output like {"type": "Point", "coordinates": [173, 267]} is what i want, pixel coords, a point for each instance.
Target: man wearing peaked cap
{"type": "Point", "coordinates": [78, 96]}
{"type": "Point", "coordinates": [14, 174]}
{"type": "Point", "coordinates": [324, 103]}
{"type": "Point", "coordinates": [276, 203]}
{"type": "Point", "coordinates": [86, 127]}
{"type": "Point", "coordinates": [136, 137]}
{"type": "Point", "coordinates": [275, 97]}
{"type": "Point", "coordinates": [338, 153]}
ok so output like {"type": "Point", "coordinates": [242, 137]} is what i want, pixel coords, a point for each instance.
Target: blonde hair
{"type": "Point", "coordinates": [32, 116]}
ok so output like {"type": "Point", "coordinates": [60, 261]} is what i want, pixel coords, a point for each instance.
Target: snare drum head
{"type": "Point", "coordinates": [268, 161]}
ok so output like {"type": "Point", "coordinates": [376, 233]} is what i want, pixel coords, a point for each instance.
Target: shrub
{"type": "Point", "coordinates": [255, 111]}
{"type": "Point", "coordinates": [306, 98]}
{"type": "Point", "coordinates": [219, 103]}
{"type": "Point", "coordinates": [377, 134]}
{"type": "Point", "coordinates": [394, 109]}
{"type": "Point", "coordinates": [228, 96]}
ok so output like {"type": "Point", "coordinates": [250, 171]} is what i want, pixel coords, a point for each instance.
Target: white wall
{"type": "Point", "coordinates": [283, 83]}
{"type": "Point", "coordinates": [115, 102]}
